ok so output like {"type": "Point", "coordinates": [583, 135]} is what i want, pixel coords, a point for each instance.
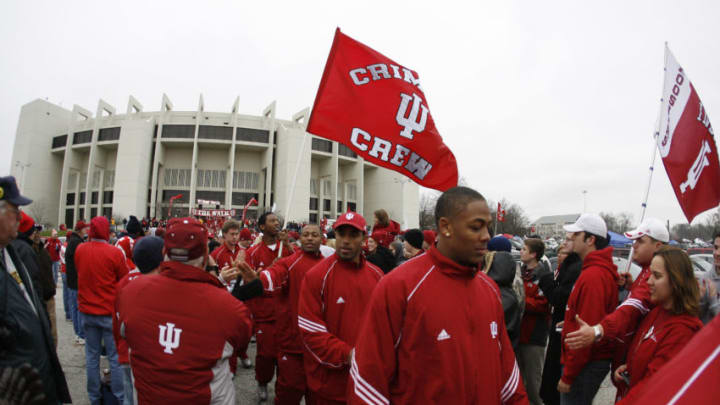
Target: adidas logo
{"type": "Point", "coordinates": [340, 300]}
{"type": "Point", "coordinates": [259, 331]}
{"type": "Point", "coordinates": [443, 335]}
{"type": "Point", "coordinates": [284, 358]}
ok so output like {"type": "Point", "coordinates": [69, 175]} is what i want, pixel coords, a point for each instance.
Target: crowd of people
{"type": "Point", "coordinates": [354, 313]}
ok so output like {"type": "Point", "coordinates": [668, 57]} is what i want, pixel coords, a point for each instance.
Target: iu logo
{"type": "Point", "coordinates": [696, 170]}
{"type": "Point", "coordinates": [349, 215]}
{"type": "Point", "coordinates": [411, 123]}
{"type": "Point", "coordinates": [493, 329]}
{"type": "Point", "coordinates": [169, 337]}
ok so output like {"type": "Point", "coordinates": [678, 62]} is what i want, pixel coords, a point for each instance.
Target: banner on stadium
{"type": "Point", "coordinates": [212, 213]}
{"type": "Point", "coordinates": [377, 108]}
{"type": "Point", "coordinates": [686, 143]}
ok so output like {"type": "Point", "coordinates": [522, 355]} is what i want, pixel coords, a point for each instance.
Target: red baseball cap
{"type": "Point", "coordinates": [26, 222]}
{"type": "Point", "coordinates": [245, 234]}
{"type": "Point", "coordinates": [80, 225]}
{"type": "Point", "coordinates": [185, 239]}
{"type": "Point", "coordinates": [352, 219]}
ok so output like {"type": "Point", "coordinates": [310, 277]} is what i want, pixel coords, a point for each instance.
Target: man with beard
{"type": "Point", "coordinates": [435, 328]}
{"type": "Point", "coordinates": [286, 277]}
{"type": "Point", "coordinates": [260, 257]}
{"type": "Point", "coordinates": [333, 299]}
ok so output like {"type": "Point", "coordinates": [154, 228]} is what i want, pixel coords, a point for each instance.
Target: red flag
{"type": "Point", "coordinates": [377, 108]}
{"type": "Point", "coordinates": [686, 143]}
{"type": "Point", "coordinates": [500, 213]}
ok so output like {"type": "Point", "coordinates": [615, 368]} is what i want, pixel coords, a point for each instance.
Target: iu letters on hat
{"type": "Point", "coordinates": [377, 108]}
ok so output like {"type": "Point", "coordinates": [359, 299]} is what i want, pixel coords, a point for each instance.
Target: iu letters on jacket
{"type": "Point", "coordinates": [377, 108]}
{"type": "Point", "coordinates": [686, 143]}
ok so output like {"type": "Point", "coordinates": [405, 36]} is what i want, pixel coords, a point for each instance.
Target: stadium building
{"type": "Point", "coordinates": [76, 165]}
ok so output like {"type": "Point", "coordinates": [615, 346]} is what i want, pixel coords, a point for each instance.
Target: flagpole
{"type": "Point", "coordinates": [652, 163]}
{"type": "Point", "coordinates": [292, 187]}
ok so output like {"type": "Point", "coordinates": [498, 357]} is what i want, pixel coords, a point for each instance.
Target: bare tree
{"type": "Point", "coordinates": [427, 210]}
{"type": "Point", "coordinates": [37, 211]}
{"type": "Point", "coordinates": [516, 221]}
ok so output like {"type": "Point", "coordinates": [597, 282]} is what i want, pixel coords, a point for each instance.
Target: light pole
{"type": "Point", "coordinates": [402, 198]}
{"type": "Point", "coordinates": [584, 192]}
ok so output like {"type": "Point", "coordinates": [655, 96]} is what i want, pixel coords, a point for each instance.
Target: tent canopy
{"type": "Point", "coordinates": [617, 240]}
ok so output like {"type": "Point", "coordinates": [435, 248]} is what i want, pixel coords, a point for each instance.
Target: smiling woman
{"type": "Point", "coordinates": [668, 327]}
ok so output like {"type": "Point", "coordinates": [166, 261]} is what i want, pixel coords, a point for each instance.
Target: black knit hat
{"type": "Point", "coordinates": [148, 253]}
{"type": "Point", "coordinates": [415, 238]}
{"type": "Point", "coordinates": [133, 226]}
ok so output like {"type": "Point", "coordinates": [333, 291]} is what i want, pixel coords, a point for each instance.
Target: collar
{"type": "Point", "coordinates": [449, 266]}
{"type": "Point", "coordinates": [183, 272]}
{"type": "Point", "coordinates": [350, 264]}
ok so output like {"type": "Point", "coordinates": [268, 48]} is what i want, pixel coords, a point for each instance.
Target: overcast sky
{"type": "Point", "coordinates": [537, 100]}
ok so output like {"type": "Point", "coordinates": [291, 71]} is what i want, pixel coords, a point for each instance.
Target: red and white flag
{"type": "Point", "coordinates": [377, 108]}
{"type": "Point", "coordinates": [686, 143]}
{"type": "Point", "coordinates": [500, 213]}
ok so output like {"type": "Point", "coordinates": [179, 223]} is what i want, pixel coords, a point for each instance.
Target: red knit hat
{"type": "Point", "coordinates": [26, 223]}
{"type": "Point", "coordinates": [245, 234]}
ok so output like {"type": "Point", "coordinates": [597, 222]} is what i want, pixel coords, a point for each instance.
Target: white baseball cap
{"type": "Point", "coordinates": [651, 227]}
{"type": "Point", "coordinates": [591, 223]}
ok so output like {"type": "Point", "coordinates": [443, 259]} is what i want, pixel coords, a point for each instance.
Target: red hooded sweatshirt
{"type": "Point", "coordinates": [182, 327]}
{"type": "Point", "coordinates": [99, 266]}
{"type": "Point", "coordinates": [594, 295]}
{"type": "Point", "coordinates": [333, 299]}
{"type": "Point", "coordinates": [690, 378]}
{"type": "Point", "coordinates": [435, 333]}
{"type": "Point", "coordinates": [659, 338]}
{"type": "Point", "coordinates": [287, 275]}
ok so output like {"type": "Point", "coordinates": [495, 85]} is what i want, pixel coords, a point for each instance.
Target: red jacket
{"type": "Point", "coordinates": [182, 328]}
{"type": "Point", "coordinates": [224, 256]}
{"type": "Point", "coordinates": [392, 229]}
{"type": "Point", "coordinates": [535, 325]}
{"type": "Point", "coordinates": [622, 323]}
{"type": "Point", "coordinates": [126, 245]}
{"type": "Point", "coordinates": [690, 378]}
{"type": "Point", "coordinates": [659, 338]}
{"type": "Point", "coordinates": [99, 266]}
{"type": "Point", "coordinates": [120, 343]}
{"type": "Point", "coordinates": [594, 295]}
{"type": "Point", "coordinates": [53, 247]}
{"type": "Point", "coordinates": [286, 276]}
{"type": "Point", "coordinates": [260, 257]}
{"type": "Point", "coordinates": [435, 333]}
{"type": "Point", "coordinates": [333, 298]}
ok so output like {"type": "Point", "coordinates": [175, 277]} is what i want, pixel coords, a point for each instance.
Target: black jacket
{"type": "Point", "coordinates": [74, 240]}
{"type": "Point", "coordinates": [26, 336]}
{"type": "Point", "coordinates": [558, 291]}
{"type": "Point", "coordinates": [41, 275]}
{"type": "Point", "coordinates": [383, 258]}
{"type": "Point", "coordinates": [502, 271]}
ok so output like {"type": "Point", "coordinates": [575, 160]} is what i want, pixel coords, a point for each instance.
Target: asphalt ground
{"type": "Point", "coordinates": [72, 358]}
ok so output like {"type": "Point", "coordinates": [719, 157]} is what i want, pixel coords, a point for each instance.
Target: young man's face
{"type": "Point", "coordinates": [231, 236]}
{"type": "Point", "coordinates": [469, 233]}
{"type": "Point", "coordinates": [581, 245]}
{"type": "Point", "coordinates": [310, 238]}
{"type": "Point", "coordinates": [525, 255]}
{"type": "Point", "coordinates": [643, 250]}
{"type": "Point", "coordinates": [348, 242]}
{"type": "Point", "coordinates": [272, 225]}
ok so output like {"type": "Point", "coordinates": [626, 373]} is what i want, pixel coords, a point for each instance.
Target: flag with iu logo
{"type": "Point", "coordinates": [686, 143]}
{"type": "Point", "coordinates": [378, 109]}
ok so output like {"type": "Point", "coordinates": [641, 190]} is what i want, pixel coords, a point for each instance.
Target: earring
{"type": "Point", "coordinates": [447, 234]}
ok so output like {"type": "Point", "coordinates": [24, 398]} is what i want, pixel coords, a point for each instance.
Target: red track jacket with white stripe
{"type": "Point", "coordinates": [259, 257]}
{"type": "Point", "coordinates": [333, 299]}
{"type": "Point", "coordinates": [286, 275]}
{"type": "Point", "coordinates": [120, 343]}
{"type": "Point", "coordinates": [624, 320]}
{"type": "Point", "coordinates": [435, 333]}
{"type": "Point", "coordinates": [690, 378]}
{"type": "Point", "coordinates": [127, 244]}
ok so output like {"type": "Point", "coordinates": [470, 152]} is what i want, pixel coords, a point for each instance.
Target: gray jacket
{"type": "Point", "coordinates": [710, 306]}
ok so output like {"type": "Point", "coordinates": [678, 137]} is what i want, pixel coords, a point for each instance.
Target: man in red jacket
{"type": "Point", "coordinates": [99, 266]}
{"type": "Point", "coordinates": [333, 299]}
{"type": "Point", "coordinates": [181, 326]}
{"type": "Point", "coordinates": [594, 295]}
{"type": "Point", "coordinates": [690, 378]}
{"type": "Point", "coordinates": [649, 237]}
{"type": "Point", "coordinates": [260, 257]}
{"type": "Point", "coordinates": [286, 276]}
{"type": "Point", "coordinates": [435, 329]}
{"type": "Point", "coordinates": [52, 245]}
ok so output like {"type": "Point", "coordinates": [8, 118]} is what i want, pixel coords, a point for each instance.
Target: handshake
{"type": "Point", "coordinates": [238, 268]}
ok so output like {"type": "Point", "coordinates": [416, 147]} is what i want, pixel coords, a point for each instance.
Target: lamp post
{"type": "Point", "coordinates": [584, 192]}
